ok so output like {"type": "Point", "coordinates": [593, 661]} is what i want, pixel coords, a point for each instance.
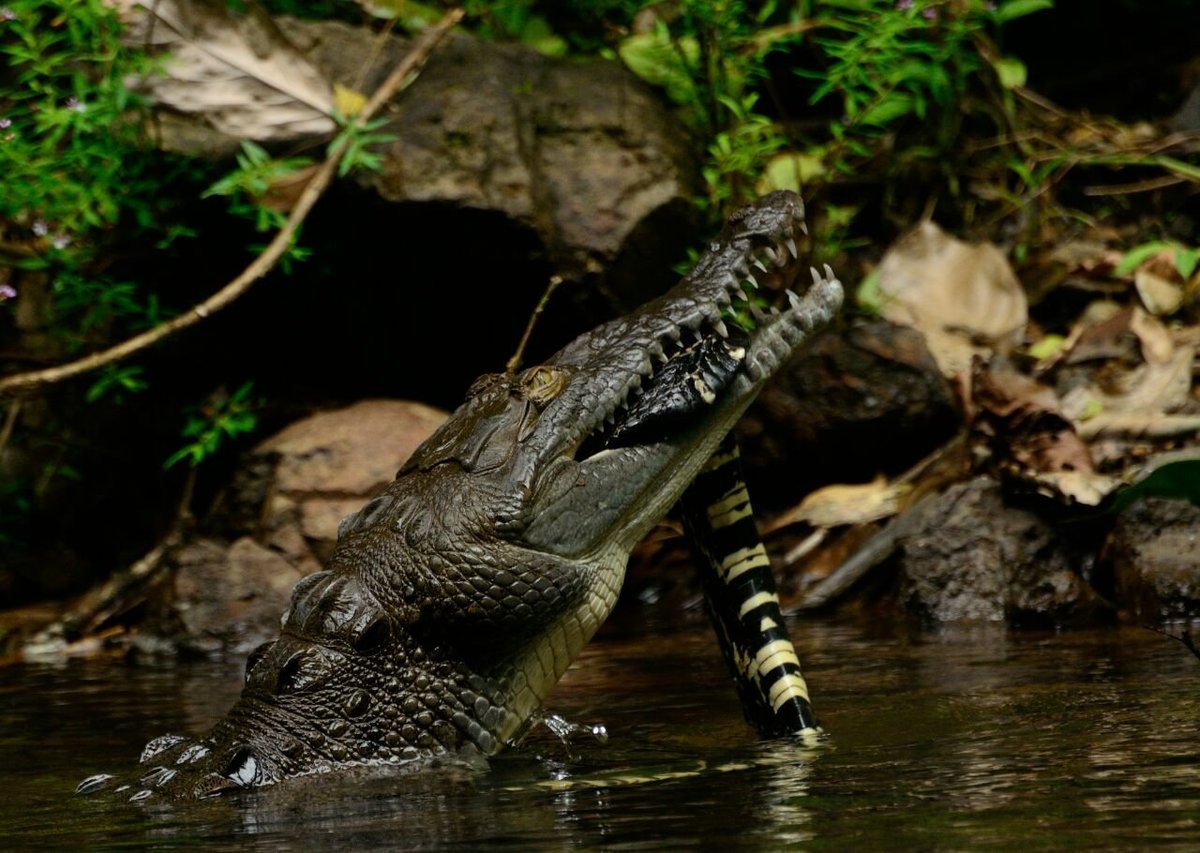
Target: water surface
{"type": "Point", "coordinates": [940, 742]}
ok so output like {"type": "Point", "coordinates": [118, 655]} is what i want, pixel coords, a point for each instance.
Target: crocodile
{"type": "Point", "coordinates": [455, 600]}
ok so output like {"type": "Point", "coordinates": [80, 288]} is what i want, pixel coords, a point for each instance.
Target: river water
{"type": "Point", "coordinates": [958, 740]}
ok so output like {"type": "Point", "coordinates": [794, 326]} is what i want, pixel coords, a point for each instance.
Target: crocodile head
{"type": "Point", "coordinates": [456, 600]}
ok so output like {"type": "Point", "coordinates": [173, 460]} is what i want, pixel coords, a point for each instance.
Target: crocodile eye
{"type": "Point", "coordinates": [543, 384]}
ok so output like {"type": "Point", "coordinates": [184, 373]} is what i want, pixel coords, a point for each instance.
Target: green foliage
{"type": "Point", "coordinates": [1186, 259]}
{"type": "Point", "coordinates": [358, 138]}
{"type": "Point", "coordinates": [520, 20]}
{"type": "Point", "coordinates": [116, 382]}
{"type": "Point", "coordinates": [247, 187]}
{"type": "Point", "coordinates": [708, 56]}
{"type": "Point", "coordinates": [917, 66]}
{"type": "Point", "coordinates": [1178, 479]}
{"type": "Point", "coordinates": [921, 66]}
{"type": "Point", "coordinates": [221, 418]}
{"type": "Point", "coordinates": [76, 173]}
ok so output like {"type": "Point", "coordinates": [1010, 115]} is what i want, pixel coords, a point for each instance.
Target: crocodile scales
{"type": "Point", "coordinates": [455, 600]}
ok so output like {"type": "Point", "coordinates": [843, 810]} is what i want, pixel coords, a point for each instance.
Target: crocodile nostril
{"type": "Point", "coordinates": [374, 635]}
{"type": "Point", "coordinates": [301, 671]}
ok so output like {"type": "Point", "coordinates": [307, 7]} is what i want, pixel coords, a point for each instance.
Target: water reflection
{"type": "Point", "coordinates": [957, 740]}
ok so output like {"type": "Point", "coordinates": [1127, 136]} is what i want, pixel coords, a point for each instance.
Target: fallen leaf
{"type": "Point", "coordinates": [1150, 389]}
{"type": "Point", "coordinates": [1160, 295]}
{"type": "Point", "coordinates": [236, 72]}
{"type": "Point", "coordinates": [833, 506]}
{"type": "Point", "coordinates": [1031, 438]}
{"type": "Point", "coordinates": [1158, 347]}
{"type": "Point", "coordinates": [963, 297]}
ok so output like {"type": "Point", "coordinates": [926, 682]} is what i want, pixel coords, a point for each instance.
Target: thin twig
{"type": "Point", "coordinates": [10, 420]}
{"type": "Point", "coordinates": [402, 75]}
{"type": "Point", "coordinates": [515, 361]}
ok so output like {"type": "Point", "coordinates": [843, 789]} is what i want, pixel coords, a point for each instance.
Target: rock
{"type": "Point", "coordinates": [972, 558]}
{"type": "Point", "coordinates": [228, 599]}
{"type": "Point", "coordinates": [352, 451]}
{"type": "Point", "coordinates": [580, 152]}
{"type": "Point", "coordinates": [855, 403]}
{"type": "Point", "coordinates": [1154, 552]}
{"type": "Point", "coordinates": [280, 516]}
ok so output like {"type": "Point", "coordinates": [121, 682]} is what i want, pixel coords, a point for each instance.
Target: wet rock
{"type": "Point", "coordinates": [278, 520]}
{"type": "Point", "coordinates": [228, 598]}
{"type": "Point", "coordinates": [973, 558]}
{"type": "Point", "coordinates": [855, 403]}
{"type": "Point", "coordinates": [1154, 552]}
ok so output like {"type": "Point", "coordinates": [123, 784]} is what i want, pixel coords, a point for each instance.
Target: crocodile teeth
{"type": "Point", "coordinates": [770, 253]}
{"type": "Point", "coordinates": [760, 265]}
{"type": "Point", "coordinates": [740, 293]}
{"type": "Point", "coordinates": [803, 227]}
{"type": "Point", "coordinates": [829, 276]}
{"type": "Point", "coordinates": [794, 301]}
{"type": "Point", "coordinates": [791, 246]}
{"type": "Point", "coordinates": [720, 328]}
{"type": "Point", "coordinates": [816, 276]}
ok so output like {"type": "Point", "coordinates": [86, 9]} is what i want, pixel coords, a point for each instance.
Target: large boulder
{"type": "Point", "coordinates": [581, 152]}
{"type": "Point", "coordinates": [278, 521]}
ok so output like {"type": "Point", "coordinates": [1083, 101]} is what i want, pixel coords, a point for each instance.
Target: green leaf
{"type": "Point", "coordinates": [886, 110]}
{"type": "Point", "coordinates": [653, 57]}
{"type": "Point", "coordinates": [1136, 256]}
{"type": "Point", "coordinates": [1011, 72]}
{"type": "Point", "coordinates": [1014, 9]}
{"type": "Point", "coordinates": [1186, 260]}
{"type": "Point", "coordinates": [1178, 479]}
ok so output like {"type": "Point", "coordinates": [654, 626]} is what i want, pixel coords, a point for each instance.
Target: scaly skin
{"type": "Point", "coordinates": [456, 600]}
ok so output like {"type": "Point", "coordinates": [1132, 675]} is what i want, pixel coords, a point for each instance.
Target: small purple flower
{"type": "Point", "coordinates": [929, 14]}
{"type": "Point", "coordinates": [7, 14]}
{"type": "Point", "coordinates": [40, 228]}
{"type": "Point", "coordinates": [73, 103]}
{"type": "Point", "coordinates": [7, 292]}
{"type": "Point", "coordinates": [5, 123]}
{"type": "Point", "coordinates": [904, 5]}
{"type": "Point", "coordinates": [61, 241]}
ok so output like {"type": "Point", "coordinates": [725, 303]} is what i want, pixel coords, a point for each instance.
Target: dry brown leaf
{"type": "Point", "coordinates": [1031, 438]}
{"type": "Point", "coordinates": [1151, 389]}
{"type": "Point", "coordinates": [833, 506]}
{"type": "Point", "coordinates": [1160, 295]}
{"type": "Point", "coordinates": [963, 297]}
{"type": "Point", "coordinates": [238, 73]}
{"type": "Point", "coordinates": [1158, 347]}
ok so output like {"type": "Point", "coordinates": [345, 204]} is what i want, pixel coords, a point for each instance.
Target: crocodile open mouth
{"type": "Point", "coordinates": [692, 370]}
